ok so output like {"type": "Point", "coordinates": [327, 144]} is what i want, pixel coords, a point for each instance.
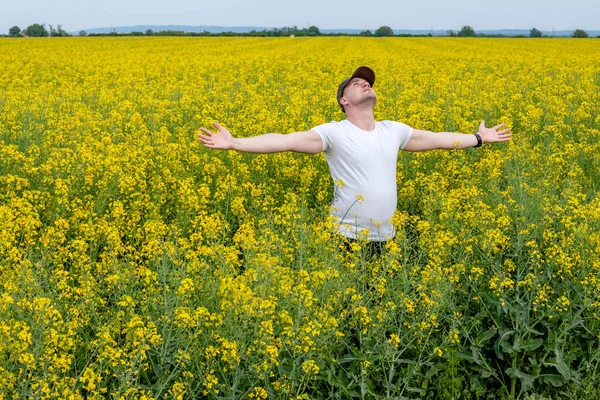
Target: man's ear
{"type": "Point", "coordinates": [343, 101]}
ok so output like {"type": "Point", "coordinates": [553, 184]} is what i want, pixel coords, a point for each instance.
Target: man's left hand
{"type": "Point", "coordinates": [494, 134]}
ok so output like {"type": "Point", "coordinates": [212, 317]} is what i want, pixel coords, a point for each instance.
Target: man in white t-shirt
{"type": "Point", "coordinates": [362, 155]}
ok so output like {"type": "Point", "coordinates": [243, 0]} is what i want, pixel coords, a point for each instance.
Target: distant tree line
{"type": "Point", "coordinates": [467, 31]}
{"type": "Point", "coordinates": [39, 30]}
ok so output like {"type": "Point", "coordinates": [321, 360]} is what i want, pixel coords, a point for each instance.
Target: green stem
{"type": "Point", "coordinates": [513, 380]}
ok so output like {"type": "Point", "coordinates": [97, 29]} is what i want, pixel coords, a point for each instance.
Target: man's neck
{"type": "Point", "coordinates": [362, 119]}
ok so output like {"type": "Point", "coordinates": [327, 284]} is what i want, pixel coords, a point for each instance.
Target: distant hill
{"type": "Point", "coordinates": [245, 29]}
{"type": "Point", "coordinates": [504, 32]}
{"type": "Point", "coordinates": [185, 28]}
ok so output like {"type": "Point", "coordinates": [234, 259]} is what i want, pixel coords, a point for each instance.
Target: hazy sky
{"type": "Point", "coordinates": [359, 14]}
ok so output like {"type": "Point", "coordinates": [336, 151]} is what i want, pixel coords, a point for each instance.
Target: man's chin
{"type": "Point", "coordinates": [370, 100]}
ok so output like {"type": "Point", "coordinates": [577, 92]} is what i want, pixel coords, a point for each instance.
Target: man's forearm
{"type": "Point", "coordinates": [427, 140]}
{"type": "Point", "coordinates": [267, 143]}
{"type": "Point", "coordinates": [453, 140]}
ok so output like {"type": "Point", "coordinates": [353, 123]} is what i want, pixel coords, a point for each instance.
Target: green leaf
{"type": "Point", "coordinates": [485, 337]}
{"type": "Point", "coordinates": [561, 367]}
{"type": "Point", "coordinates": [527, 383]}
{"type": "Point", "coordinates": [478, 385]}
{"type": "Point", "coordinates": [466, 355]}
{"type": "Point", "coordinates": [535, 332]}
{"type": "Point", "coordinates": [437, 367]}
{"type": "Point", "coordinates": [530, 345]}
{"type": "Point", "coordinates": [516, 343]}
{"type": "Point", "coordinates": [347, 358]}
{"type": "Point", "coordinates": [526, 379]}
{"type": "Point", "coordinates": [405, 361]}
{"type": "Point", "coordinates": [559, 354]}
{"type": "Point", "coordinates": [370, 385]}
{"type": "Point", "coordinates": [342, 377]}
{"type": "Point", "coordinates": [555, 380]}
{"type": "Point", "coordinates": [504, 336]}
{"type": "Point", "coordinates": [507, 347]}
{"type": "Point", "coordinates": [475, 352]}
{"type": "Point", "coordinates": [485, 372]}
{"type": "Point", "coordinates": [513, 372]}
{"type": "Point", "coordinates": [357, 353]}
{"type": "Point", "coordinates": [409, 372]}
{"type": "Point", "coordinates": [391, 374]}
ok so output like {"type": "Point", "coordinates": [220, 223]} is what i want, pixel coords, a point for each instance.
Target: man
{"type": "Point", "coordinates": [362, 155]}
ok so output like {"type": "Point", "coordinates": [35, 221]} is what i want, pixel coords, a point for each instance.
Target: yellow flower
{"type": "Point", "coordinates": [454, 336]}
{"type": "Point", "coordinates": [394, 340]}
{"type": "Point", "coordinates": [310, 367]}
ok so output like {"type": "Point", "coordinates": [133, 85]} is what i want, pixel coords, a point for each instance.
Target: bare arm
{"type": "Point", "coordinates": [426, 140]}
{"type": "Point", "coordinates": [301, 142]}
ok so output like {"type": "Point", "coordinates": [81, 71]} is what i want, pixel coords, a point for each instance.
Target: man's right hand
{"type": "Point", "coordinates": [216, 140]}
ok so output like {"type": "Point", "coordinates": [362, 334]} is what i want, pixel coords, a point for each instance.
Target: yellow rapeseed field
{"type": "Point", "coordinates": [135, 263]}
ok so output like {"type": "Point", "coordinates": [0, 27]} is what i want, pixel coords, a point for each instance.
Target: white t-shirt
{"type": "Point", "coordinates": [363, 169]}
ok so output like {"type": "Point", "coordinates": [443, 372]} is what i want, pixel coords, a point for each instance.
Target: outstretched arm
{"type": "Point", "coordinates": [301, 142]}
{"type": "Point", "coordinates": [426, 140]}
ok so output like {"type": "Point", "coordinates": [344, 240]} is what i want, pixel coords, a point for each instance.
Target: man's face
{"type": "Point", "coordinates": [357, 92]}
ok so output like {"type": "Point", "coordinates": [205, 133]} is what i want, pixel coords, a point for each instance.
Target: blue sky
{"type": "Point", "coordinates": [434, 14]}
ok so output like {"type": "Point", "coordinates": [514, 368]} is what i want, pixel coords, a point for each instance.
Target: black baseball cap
{"type": "Point", "coordinates": [363, 72]}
